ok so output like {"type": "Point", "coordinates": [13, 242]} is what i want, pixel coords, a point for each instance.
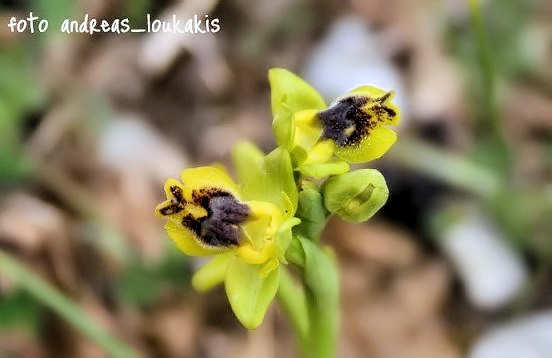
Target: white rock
{"type": "Point", "coordinates": [129, 143]}
{"type": "Point", "coordinates": [349, 56]}
{"type": "Point", "coordinates": [492, 272]}
{"type": "Point", "coordinates": [528, 337]}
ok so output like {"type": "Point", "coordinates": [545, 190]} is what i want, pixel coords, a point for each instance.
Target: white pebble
{"type": "Point", "coordinates": [350, 56]}
{"type": "Point", "coordinates": [492, 272]}
{"type": "Point", "coordinates": [528, 337]}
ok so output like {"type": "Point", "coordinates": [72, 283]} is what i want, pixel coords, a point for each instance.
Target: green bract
{"type": "Point", "coordinates": [311, 210]}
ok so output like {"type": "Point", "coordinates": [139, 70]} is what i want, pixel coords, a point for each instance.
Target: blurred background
{"type": "Point", "coordinates": [457, 264]}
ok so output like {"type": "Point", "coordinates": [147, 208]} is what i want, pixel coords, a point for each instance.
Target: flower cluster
{"type": "Point", "coordinates": [248, 228]}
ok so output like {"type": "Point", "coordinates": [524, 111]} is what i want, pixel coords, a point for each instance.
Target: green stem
{"type": "Point", "coordinates": [294, 302]}
{"type": "Point", "coordinates": [321, 288]}
{"type": "Point", "coordinates": [48, 295]}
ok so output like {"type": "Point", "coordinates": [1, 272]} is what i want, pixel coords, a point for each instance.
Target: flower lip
{"type": "Point", "coordinates": [224, 213]}
{"type": "Point", "coordinates": [351, 119]}
{"type": "Point", "coordinates": [177, 202]}
{"type": "Point", "coordinates": [219, 228]}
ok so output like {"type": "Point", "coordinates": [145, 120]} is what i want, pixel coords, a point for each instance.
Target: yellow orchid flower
{"type": "Point", "coordinates": [354, 127]}
{"type": "Point", "coordinates": [210, 215]}
{"type": "Point", "coordinates": [207, 216]}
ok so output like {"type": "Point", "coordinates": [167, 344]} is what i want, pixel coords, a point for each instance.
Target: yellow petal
{"type": "Point", "coordinates": [307, 128]}
{"type": "Point", "coordinates": [371, 147]}
{"type": "Point", "coordinates": [255, 257]}
{"type": "Point", "coordinates": [207, 177]}
{"type": "Point", "coordinates": [263, 209]}
{"type": "Point", "coordinates": [255, 231]}
{"type": "Point", "coordinates": [187, 242]}
{"type": "Point", "coordinates": [321, 152]}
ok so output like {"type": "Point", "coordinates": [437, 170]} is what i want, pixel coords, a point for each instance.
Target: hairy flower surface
{"type": "Point", "coordinates": [354, 127]}
{"type": "Point", "coordinates": [247, 229]}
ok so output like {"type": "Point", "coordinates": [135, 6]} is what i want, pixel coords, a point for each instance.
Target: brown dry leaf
{"type": "Point", "coordinates": [421, 291]}
{"type": "Point", "coordinates": [374, 242]}
{"type": "Point", "coordinates": [16, 343]}
{"type": "Point", "coordinates": [260, 342]}
{"type": "Point", "coordinates": [26, 222]}
{"type": "Point", "coordinates": [251, 124]}
{"type": "Point", "coordinates": [160, 50]}
{"type": "Point", "coordinates": [220, 343]}
{"type": "Point", "coordinates": [34, 227]}
{"type": "Point", "coordinates": [526, 117]}
{"type": "Point", "coordinates": [175, 329]}
{"type": "Point", "coordinates": [391, 295]}
{"type": "Point", "coordinates": [113, 70]}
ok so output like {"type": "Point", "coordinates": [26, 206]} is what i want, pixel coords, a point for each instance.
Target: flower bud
{"type": "Point", "coordinates": [356, 196]}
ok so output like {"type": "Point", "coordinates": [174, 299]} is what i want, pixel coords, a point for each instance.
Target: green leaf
{"type": "Point", "coordinates": [323, 170]}
{"type": "Point", "coordinates": [21, 310]}
{"type": "Point", "coordinates": [212, 273]}
{"type": "Point", "coordinates": [143, 284]}
{"type": "Point", "coordinates": [249, 292]}
{"type": "Point", "coordinates": [289, 94]}
{"type": "Point", "coordinates": [55, 11]}
{"type": "Point", "coordinates": [311, 211]}
{"type": "Point", "coordinates": [20, 94]}
{"type": "Point", "coordinates": [320, 273]}
{"type": "Point", "coordinates": [451, 168]}
{"type": "Point", "coordinates": [16, 272]}
{"type": "Point", "coordinates": [135, 10]}
{"type": "Point", "coordinates": [493, 153]}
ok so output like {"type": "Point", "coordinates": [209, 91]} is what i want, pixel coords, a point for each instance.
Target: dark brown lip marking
{"type": "Point", "coordinates": [177, 193]}
{"type": "Point", "coordinates": [346, 114]}
{"type": "Point", "coordinates": [347, 123]}
{"type": "Point", "coordinates": [384, 98]}
{"type": "Point", "coordinates": [177, 202]}
{"type": "Point", "coordinates": [219, 228]}
{"type": "Point", "coordinates": [390, 111]}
